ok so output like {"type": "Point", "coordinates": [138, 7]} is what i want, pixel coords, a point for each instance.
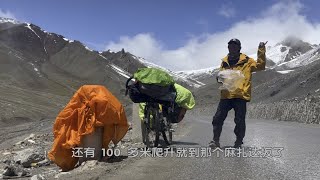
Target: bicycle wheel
{"type": "Point", "coordinates": [156, 125]}
{"type": "Point", "coordinates": [167, 131]}
{"type": "Point", "coordinates": [151, 132]}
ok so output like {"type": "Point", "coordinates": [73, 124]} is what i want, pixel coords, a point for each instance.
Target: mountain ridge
{"type": "Point", "coordinates": [33, 59]}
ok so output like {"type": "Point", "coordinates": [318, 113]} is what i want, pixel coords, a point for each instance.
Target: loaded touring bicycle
{"type": "Point", "coordinates": [160, 110]}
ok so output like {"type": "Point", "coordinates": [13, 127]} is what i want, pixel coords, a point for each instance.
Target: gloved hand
{"type": "Point", "coordinates": [262, 44]}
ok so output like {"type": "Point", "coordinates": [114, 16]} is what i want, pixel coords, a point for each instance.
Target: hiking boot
{"type": "Point", "coordinates": [238, 144]}
{"type": "Point", "coordinates": [214, 144]}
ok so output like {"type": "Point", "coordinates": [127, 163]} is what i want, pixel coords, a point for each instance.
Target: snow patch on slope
{"type": "Point", "coordinates": [29, 27]}
{"type": "Point", "coordinates": [117, 69]}
{"type": "Point", "coordinates": [35, 69]}
{"type": "Point", "coordinates": [277, 53]}
{"type": "Point", "coordinates": [285, 71]}
{"type": "Point", "coordinates": [88, 48]}
{"type": "Point", "coordinates": [70, 41]}
{"type": "Point", "coordinates": [120, 71]}
{"type": "Point", "coordinates": [303, 59]}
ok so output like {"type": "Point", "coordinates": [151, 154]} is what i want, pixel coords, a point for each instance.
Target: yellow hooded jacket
{"type": "Point", "coordinates": [246, 65]}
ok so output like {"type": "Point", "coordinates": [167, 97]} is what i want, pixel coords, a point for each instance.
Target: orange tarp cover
{"type": "Point", "coordinates": [90, 106]}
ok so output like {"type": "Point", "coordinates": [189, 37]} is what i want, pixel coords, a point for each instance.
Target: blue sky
{"type": "Point", "coordinates": [176, 34]}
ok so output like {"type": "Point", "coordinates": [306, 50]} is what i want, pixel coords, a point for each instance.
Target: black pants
{"type": "Point", "coordinates": [225, 105]}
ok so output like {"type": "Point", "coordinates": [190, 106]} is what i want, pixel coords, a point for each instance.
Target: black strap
{"type": "Point", "coordinates": [128, 81]}
{"type": "Point", "coordinates": [127, 85]}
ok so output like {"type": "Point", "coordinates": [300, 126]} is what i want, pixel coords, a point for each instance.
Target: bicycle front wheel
{"type": "Point", "coordinates": [151, 128]}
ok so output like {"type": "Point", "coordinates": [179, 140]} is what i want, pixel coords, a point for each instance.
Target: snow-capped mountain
{"type": "Point", "coordinates": [284, 57]}
{"type": "Point", "coordinates": [178, 76]}
{"type": "Point", "coordinates": [288, 49]}
{"type": "Point", "coordinates": [301, 60]}
{"type": "Point", "coordinates": [128, 63]}
{"type": "Point", "coordinates": [291, 53]}
{"type": "Point", "coordinates": [205, 76]}
{"type": "Point", "coordinates": [40, 71]}
{"type": "Point", "coordinates": [293, 70]}
{"type": "Point", "coordinates": [198, 73]}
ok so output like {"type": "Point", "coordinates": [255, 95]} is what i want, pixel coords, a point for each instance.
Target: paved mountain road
{"type": "Point", "coordinates": [297, 144]}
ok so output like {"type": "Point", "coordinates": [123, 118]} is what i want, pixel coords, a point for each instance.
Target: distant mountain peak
{"type": "Point", "coordinates": [294, 42]}
{"type": "Point", "coordinates": [289, 49]}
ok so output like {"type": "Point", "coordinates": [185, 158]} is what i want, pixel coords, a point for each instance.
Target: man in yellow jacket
{"type": "Point", "coordinates": [238, 97]}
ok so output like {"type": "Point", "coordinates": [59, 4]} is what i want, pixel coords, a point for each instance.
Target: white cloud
{"type": "Point", "coordinates": [275, 24]}
{"type": "Point", "coordinates": [144, 45]}
{"type": "Point", "coordinates": [6, 14]}
{"type": "Point", "coordinates": [227, 10]}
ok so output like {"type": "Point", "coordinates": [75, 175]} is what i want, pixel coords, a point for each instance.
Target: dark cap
{"type": "Point", "coordinates": [235, 41]}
